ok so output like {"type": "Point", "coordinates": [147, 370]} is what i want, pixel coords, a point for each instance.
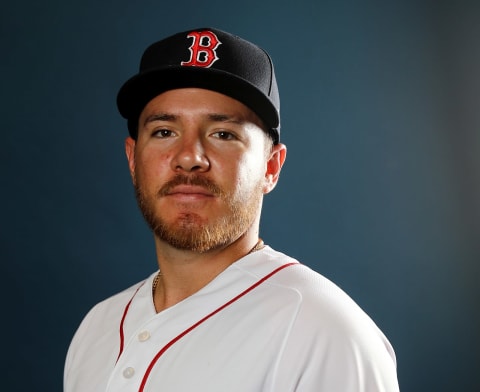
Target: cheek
{"type": "Point", "coordinates": [250, 175]}
{"type": "Point", "coordinates": [151, 168]}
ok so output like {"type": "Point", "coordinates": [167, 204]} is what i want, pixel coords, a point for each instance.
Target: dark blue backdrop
{"type": "Point", "coordinates": [380, 192]}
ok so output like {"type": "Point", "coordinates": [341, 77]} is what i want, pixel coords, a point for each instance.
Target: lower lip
{"type": "Point", "coordinates": [190, 196]}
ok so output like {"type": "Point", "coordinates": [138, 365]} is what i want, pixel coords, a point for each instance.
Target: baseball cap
{"type": "Point", "coordinates": [204, 58]}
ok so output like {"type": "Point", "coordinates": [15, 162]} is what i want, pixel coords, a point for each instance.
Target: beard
{"type": "Point", "coordinates": [189, 231]}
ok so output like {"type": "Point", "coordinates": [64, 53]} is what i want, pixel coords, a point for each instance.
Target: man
{"type": "Point", "coordinates": [224, 312]}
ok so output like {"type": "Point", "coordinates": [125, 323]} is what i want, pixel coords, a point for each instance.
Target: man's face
{"type": "Point", "coordinates": [200, 167]}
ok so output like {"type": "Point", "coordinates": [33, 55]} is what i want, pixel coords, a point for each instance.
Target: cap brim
{"type": "Point", "coordinates": [142, 88]}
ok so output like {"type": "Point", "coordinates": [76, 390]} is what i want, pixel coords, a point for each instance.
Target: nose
{"type": "Point", "coordinates": [190, 156]}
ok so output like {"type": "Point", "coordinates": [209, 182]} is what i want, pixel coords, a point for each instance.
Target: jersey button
{"type": "Point", "coordinates": [128, 372]}
{"type": "Point", "coordinates": [143, 336]}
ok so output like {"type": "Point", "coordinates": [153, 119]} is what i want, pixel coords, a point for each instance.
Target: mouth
{"type": "Point", "coordinates": [192, 191]}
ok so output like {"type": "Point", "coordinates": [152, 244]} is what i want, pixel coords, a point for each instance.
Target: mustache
{"type": "Point", "coordinates": [196, 180]}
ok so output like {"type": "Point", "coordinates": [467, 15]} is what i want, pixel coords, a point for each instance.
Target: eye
{"type": "Point", "coordinates": [162, 133]}
{"type": "Point", "coordinates": [224, 135]}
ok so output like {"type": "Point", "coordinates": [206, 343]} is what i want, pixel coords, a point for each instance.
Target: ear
{"type": "Point", "coordinates": [130, 151]}
{"type": "Point", "coordinates": [274, 166]}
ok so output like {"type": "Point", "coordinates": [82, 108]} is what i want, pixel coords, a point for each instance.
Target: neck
{"type": "Point", "coordinates": [183, 273]}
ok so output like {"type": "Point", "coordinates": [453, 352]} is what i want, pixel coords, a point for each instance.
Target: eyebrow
{"type": "Point", "coordinates": [226, 118]}
{"type": "Point", "coordinates": [160, 117]}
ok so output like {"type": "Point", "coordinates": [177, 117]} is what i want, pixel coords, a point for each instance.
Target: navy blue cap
{"type": "Point", "coordinates": [204, 58]}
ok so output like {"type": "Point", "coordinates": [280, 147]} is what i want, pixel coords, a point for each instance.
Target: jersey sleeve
{"type": "Point", "coordinates": [333, 345]}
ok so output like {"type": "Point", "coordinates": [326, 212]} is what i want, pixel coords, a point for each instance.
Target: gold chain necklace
{"type": "Point", "coordinates": [259, 245]}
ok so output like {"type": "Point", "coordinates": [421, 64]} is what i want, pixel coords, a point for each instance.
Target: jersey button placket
{"type": "Point", "coordinates": [129, 371]}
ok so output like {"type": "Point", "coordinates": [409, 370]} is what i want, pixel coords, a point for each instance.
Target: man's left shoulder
{"type": "Point", "coordinates": [320, 299]}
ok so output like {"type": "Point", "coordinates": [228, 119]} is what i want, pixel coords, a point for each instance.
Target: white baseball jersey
{"type": "Point", "coordinates": [265, 324]}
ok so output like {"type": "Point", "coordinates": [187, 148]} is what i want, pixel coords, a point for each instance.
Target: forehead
{"type": "Point", "coordinates": [196, 101]}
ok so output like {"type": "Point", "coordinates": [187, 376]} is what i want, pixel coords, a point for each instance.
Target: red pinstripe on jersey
{"type": "Point", "coordinates": [122, 337]}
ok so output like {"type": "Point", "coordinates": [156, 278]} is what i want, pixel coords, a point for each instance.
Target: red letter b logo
{"type": "Point", "coordinates": [203, 49]}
